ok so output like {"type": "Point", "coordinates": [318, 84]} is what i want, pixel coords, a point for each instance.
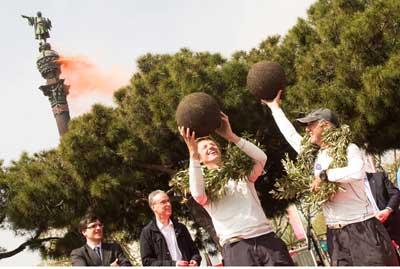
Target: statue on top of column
{"type": "Point", "coordinates": [41, 25]}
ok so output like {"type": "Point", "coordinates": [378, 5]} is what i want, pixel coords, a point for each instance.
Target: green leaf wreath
{"type": "Point", "coordinates": [300, 174]}
{"type": "Point", "coordinates": [236, 165]}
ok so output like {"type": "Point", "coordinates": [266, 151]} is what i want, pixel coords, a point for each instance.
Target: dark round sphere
{"type": "Point", "coordinates": [265, 79]}
{"type": "Point", "coordinates": [199, 112]}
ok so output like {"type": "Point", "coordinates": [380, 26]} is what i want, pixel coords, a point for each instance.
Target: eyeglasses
{"type": "Point", "coordinates": [93, 226]}
{"type": "Point", "coordinates": [163, 202]}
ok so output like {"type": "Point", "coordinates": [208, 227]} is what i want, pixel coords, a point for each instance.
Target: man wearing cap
{"type": "Point", "coordinates": [355, 237]}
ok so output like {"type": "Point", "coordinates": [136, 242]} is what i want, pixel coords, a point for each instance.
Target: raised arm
{"type": "Point", "coordinates": [285, 126]}
{"type": "Point", "coordinates": [259, 157]}
{"type": "Point", "coordinates": [247, 147]}
{"type": "Point", "coordinates": [196, 180]}
{"type": "Point", "coordinates": [30, 19]}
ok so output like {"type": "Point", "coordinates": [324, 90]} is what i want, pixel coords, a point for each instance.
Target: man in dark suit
{"type": "Point", "coordinates": [164, 241]}
{"type": "Point", "coordinates": [95, 252]}
{"type": "Point", "coordinates": [387, 199]}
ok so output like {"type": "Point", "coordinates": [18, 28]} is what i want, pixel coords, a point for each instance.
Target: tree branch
{"type": "Point", "coordinates": [157, 167]}
{"type": "Point", "coordinates": [33, 241]}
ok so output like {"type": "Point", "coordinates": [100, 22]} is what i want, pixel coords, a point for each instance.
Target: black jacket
{"type": "Point", "coordinates": [154, 250]}
{"type": "Point", "coordinates": [387, 195]}
{"type": "Point", "coordinates": [85, 256]}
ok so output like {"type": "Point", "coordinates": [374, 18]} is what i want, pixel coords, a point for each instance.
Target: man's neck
{"type": "Point", "coordinates": [93, 243]}
{"type": "Point", "coordinates": [163, 219]}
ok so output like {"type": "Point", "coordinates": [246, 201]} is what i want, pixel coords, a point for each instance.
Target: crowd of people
{"type": "Point", "coordinates": [362, 219]}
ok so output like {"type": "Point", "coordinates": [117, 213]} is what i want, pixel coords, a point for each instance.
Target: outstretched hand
{"type": "Point", "coordinates": [225, 129]}
{"type": "Point", "coordinates": [190, 139]}
{"type": "Point", "coordinates": [275, 103]}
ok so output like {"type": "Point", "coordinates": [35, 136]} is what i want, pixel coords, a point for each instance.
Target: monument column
{"type": "Point", "coordinates": [49, 67]}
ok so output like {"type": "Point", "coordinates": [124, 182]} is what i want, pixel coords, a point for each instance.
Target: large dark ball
{"type": "Point", "coordinates": [265, 79]}
{"type": "Point", "coordinates": [199, 112]}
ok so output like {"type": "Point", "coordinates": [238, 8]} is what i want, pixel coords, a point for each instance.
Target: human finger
{"type": "Point", "coordinates": [187, 133]}
{"type": "Point", "coordinates": [181, 130]}
{"type": "Point", "coordinates": [193, 136]}
{"type": "Point", "coordinates": [278, 96]}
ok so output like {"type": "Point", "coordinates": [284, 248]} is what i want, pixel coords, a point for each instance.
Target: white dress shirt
{"type": "Point", "coordinates": [370, 196]}
{"type": "Point", "coordinates": [168, 232]}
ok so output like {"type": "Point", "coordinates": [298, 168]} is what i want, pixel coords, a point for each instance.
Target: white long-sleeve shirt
{"type": "Point", "coordinates": [350, 205]}
{"type": "Point", "coordinates": [239, 212]}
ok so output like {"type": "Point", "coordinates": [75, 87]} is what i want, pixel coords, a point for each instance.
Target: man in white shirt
{"type": "Point", "coordinates": [355, 237]}
{"type": "Point", "coordinates": [164, 241]}
{"type": "Point", "coordinates": [238, 218]}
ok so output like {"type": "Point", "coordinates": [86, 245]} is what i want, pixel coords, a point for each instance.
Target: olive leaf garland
{"type": "Point", "coordinates": [300, 174]}
{"type": "Point", "coordinates": [236, 166]}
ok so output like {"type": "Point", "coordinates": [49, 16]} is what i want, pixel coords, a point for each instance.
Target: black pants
{"type": "Point", "coordinates": [392, 225]}
{"type": "Point", "coordinates": [365, 243]}
{"type": "Point", "coordinates": [264, 250]}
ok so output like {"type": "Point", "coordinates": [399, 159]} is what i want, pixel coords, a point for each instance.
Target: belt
{"type": "Point", "coordinates": [234, 239]}
{"type": "Point", "coordinates": [336, 226]}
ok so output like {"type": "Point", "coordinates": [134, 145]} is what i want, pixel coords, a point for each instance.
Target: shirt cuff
{"type": "Point", "coordinates": [240, 143]}
{"type": "Point", "coordinates": [390, 209]}
{"type": "Point", "coordinates": [194, 163]}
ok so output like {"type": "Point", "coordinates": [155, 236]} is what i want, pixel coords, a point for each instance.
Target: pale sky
{"type": "Point", "coordinates": [112, 35]}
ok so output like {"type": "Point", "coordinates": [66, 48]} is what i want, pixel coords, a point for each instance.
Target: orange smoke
{"type": "Point", "coordinates": [88, 83]}
{"type": "Point", "coordinates": [84, 77]}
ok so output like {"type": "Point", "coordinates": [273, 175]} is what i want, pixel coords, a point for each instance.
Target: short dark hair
{"type": "Point", "coordinates": [88, 218]}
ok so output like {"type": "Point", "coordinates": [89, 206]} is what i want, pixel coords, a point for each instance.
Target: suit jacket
{"type": "Point", "coordinates": [154, 250]}
{"type": "Point", "coordinates": [85, 256]}
{"type": "Point", "coordinates": [386, 195]}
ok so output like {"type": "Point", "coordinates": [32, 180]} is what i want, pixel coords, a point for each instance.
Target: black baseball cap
{"type": "Point", "coordinates": [320, 114]}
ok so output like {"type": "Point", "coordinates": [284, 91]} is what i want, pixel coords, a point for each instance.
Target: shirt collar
{"type": "Point", "coordinates": [162, 226]}
{"type": "Point", "coordinates": [92, 246]}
